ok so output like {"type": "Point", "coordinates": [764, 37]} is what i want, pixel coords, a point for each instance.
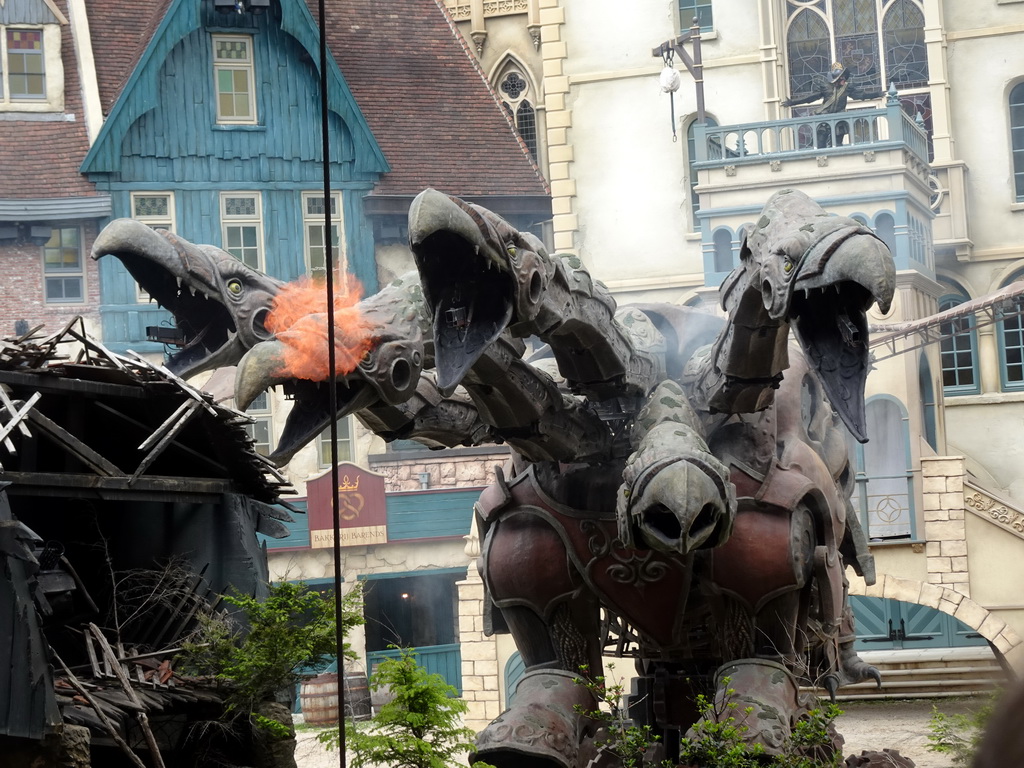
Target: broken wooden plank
{"type": "Point", "coordinates": [166, 440]}
{"type": "Point", "coordinates": [80, 450]}
{"type": "Point", "coordinates": [126, 685]}
{"type": "Point", "coordinates": [93, 661]}
{"type": "Point", "coordinates": [19, 416]}
{"type": "Point", "coordinates": [189, 406]}
{"type": "Point", "coordinates": [111, 728]}
{"type": "Point", "coordinates": [196, 454]}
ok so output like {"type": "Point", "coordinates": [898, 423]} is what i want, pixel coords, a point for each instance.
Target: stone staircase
{"type": "Point", "coordinates": [928, 674]}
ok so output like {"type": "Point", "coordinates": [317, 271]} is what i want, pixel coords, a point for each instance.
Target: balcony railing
{"type": "Point", "coordinates": [860, 130]}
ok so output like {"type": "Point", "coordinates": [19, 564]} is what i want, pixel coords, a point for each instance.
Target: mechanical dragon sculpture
{"type": "Point", "coordinates": [679, 487]}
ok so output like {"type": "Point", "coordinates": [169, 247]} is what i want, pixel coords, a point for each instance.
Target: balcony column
{"type": "Point", "coordinates": [938, 81]}
{"type": "Point", "coordinates": [988, 358]}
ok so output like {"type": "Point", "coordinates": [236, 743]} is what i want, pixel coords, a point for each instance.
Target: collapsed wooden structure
{"type": "Point", "coordinates": [128, 499]}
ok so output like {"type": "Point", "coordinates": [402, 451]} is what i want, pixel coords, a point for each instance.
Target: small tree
{"type": "Point", "coordinates": [419, 728]}
{"type": "Point", "coordinates": [628, 742]}
{"type": "Point", "coordinates": [958, 735]}
{"type": "Point", "coordinates": [293, 628]}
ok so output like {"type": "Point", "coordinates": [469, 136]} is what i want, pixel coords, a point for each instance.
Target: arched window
{"type": "Point", "coordinates": [884, 494]}
{"type": "Point", "coordinates": [724, 261]}
{"type": "Point", "coordinates": [1010, 334]}
{"type": "Point", "coordinates": [1017, 139]}
{"type": "Point", "coordinates": [958, 344]}
{"type": "Point", "coordinates": [691, 155]}
{"type": "Point", "coordinates": [885, 228]}
{"type": "Point", "coordinates": [852, 32]}
{"type": "Point", "coordinates": [514, 90]}
{"type": "Point", "coordinates": [906, 59]}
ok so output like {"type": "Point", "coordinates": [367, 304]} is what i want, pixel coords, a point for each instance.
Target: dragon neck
{"type": "Point", "coordinates": [747, 359]}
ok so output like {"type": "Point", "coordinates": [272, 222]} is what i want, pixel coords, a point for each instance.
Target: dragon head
{"type": "Point", "coordinates": [464, 255]}
{"type": "Point", "coordinates": [821, 273]}
{"type": "Point", "coordinates": [218, 303]}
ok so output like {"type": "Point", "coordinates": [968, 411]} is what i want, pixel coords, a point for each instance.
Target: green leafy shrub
{"type": "Point", "coordinates": [294, 627]}
{"type": "Point", "coordinates": [419, 728]}
{"type": "Point", "coordinates": [958, 735]}
{"type": "Point", "coordinates": [717, 740]}
{"type": "Point", "coordinates": [624, 739]}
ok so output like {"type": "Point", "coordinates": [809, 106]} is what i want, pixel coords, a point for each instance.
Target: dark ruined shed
{"type": "Point", "coordinates": [112, 465]}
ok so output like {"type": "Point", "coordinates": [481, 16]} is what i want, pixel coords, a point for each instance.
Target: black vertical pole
{"type": "Point", "coordinates": [332, 381]}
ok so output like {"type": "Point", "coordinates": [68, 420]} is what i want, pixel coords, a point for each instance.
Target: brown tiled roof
{"type": "Point", "coordinates": [427, 101]}
{"type": "Point", "coordinates": [120, 32]}
{"type": "Point", "coordinates": [40, 158]}
{"type": "Point", "coordinates": [420, 88]}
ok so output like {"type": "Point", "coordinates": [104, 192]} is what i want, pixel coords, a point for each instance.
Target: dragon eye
{"type": "Point", "coordinates": [235, 287]}
{"type": "Point", "coordinates": [787, 267]}
{"type": "Point", "coordinates": [511, 250]}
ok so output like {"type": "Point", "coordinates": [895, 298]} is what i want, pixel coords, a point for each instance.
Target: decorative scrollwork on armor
{"type": "Point", "coordinates": [570, 644]}
{"type": "Point", "coordinates": [636, 570]}
{"type": "Point", "coordinates": [598, 541]}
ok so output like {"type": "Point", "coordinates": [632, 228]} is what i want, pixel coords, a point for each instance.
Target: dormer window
{"type": "Point", "coordinates": [233, 79]}
{"type": "Point", "coordinates": [26, 69]}
{"type": "Point", "coordinates": [31, 74]}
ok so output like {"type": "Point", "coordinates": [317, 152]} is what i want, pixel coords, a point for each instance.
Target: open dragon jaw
{"type": "Point", "coordinates": [679, 483]}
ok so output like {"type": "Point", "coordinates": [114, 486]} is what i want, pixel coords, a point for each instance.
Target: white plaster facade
{"type": "Point", "coordinates": [620, 187]}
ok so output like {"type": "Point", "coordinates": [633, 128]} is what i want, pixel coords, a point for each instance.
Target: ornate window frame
{"type": "Point", "coordinates": [519, 95]}
{"type": "Point", "coordinates": [52, 98]}
{"type": "Point", "coordinates": [314, 242]}
{"type": "Point", "coordinates": [242, 227]}
{"type": "Point", "coordinates": [234, 81]}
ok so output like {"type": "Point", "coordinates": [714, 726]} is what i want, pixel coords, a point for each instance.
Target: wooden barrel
{"type": "Point", "coordinates": [357, 697]}
{"type": "Point", "coordinates": [319, 699]}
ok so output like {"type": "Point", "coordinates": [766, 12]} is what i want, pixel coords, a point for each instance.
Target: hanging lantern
{"type": "Point", "coordinates": [670, 82]}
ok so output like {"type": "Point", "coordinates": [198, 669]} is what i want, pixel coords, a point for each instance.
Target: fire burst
{"type": "Point", "coordinates": [299, 320]}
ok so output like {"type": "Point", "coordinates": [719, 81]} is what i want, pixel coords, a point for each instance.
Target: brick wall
{"type": "Point", "coordinates": [21, 287]}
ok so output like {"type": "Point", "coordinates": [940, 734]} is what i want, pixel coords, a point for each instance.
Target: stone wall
{"type": "Point", "coordinates": [472, 469]}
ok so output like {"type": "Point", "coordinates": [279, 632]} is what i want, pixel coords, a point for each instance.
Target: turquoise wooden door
{"type": "Point", "coordinates": [891, 624]}
{"type": "Point", "coordinates": [444, 660]}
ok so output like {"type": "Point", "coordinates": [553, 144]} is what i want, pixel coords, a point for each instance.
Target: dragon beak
{"type": "Point", "coordinates": [862, 259]}
{"type": "Point", "coordinates": [158, 260]}
{"type": "Point", "coordinates": [841, 277]}
{"type": "Point", "coordinates": [261, 368]}
{"type": "Point", "coordinates": [467, 283]}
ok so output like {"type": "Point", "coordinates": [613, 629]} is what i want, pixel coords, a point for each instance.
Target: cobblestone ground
{"type": "Point", "coordinates": [901, 725]}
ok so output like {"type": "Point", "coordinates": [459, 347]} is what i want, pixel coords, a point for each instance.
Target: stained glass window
{"type": "Point", "coordinates": [853, 33]}
{"type": "Point", "coordinates": [526, 124]}
{"type": "Point", "coordinates": [233, 76]}
{"type": "Point", "coordinates": [242, 227]}
{"type": "Point", "coordinates": [906, 59]}
{"type": "Point", "coordinates": [809, 49]}
{"type": "Point", "coordinates": [26, 78]}
{"type": "Point", "coordinates": [514, 90]}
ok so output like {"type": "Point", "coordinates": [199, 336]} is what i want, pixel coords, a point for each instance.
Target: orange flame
{"type": "Point", "coordinates": [299, 320]}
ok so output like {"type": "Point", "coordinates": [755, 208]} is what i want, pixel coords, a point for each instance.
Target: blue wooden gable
{"type": "Point", "coordinates": [162, 135]}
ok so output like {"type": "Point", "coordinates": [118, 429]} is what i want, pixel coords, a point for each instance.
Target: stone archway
{"type": "Point", "coordinates": [1003, 639]}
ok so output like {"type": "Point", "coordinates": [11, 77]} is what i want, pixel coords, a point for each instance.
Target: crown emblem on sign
{"type": "Point", "coordinates": [348, 485]}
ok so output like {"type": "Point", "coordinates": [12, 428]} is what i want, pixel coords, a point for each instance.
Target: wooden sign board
{"type": "Point", "coordinates": [361, 503]}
